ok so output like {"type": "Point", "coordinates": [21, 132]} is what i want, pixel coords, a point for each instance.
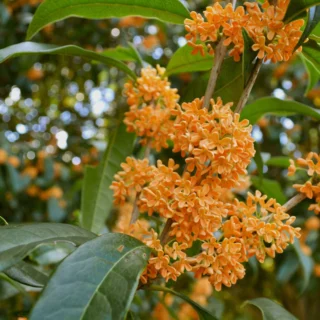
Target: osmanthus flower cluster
{"type": "Point", "coordinates": [273, 38]}
{"type": "Point", "coordinates": [151, 100]}
{"type": "Point", "coordinates": [311, 189]}
{"type": "Point", "coordinates": [217, 148]}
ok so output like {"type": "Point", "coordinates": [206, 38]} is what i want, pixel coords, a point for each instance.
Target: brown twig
{"type": "Point", "coordinates": [273, 2]}
{"type": "Point", "coordinates": [246, 93]}
{"type": "Point", "coordinates": [164, 236]}
{"type": "Point", "coordinates": [220, 53]}
{"type": "Point", "coordinates": [294, 201]}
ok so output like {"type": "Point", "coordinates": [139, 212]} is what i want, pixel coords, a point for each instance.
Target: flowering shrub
{"type": "Point", "coordinates": [176, 205]}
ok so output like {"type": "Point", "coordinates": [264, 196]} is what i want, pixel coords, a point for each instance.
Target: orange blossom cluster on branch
{"type": "Point", "coordinates": [273, 38]}
{"type": "Point", "coordinates": [217, 148]}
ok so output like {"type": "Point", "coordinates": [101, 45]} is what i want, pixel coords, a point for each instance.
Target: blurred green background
{"type": "Point", "coordinates": [57, 114]}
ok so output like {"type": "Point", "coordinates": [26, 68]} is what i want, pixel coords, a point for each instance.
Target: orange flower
{"type": "Point", "coordinates": [273, 39]}
{"type": "Point", "coordinates": [261, 46]}
{"type": "Point", "coordinates": [151, 100]}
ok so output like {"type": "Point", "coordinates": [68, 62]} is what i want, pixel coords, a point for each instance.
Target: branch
{"type": "Point", "coordinates": [220, 53]}
{"type": "Point", "coordinates": [246, 93]}
{"type": "Point", "coordinates": [294, 201]}
{"type": "Point", "coordinates": [273, 2]}
{"type": "Point", "coordinates": [164, 236]}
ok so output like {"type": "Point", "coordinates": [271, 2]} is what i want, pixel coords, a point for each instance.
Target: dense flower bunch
{"type": "Point", "coordinates": [217, 137]}
{"type": "Point", "coordinates": [273, 38]}
{"type": "Point", "coordinates": [218, 148]}
{"type": "Point", "coordinates": [312, 187]}
{"type": "Point", "coordinates": [151, 100]}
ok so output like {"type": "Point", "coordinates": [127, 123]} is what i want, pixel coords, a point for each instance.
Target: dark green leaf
{"type": "Point", "coordinates": [281, 162]}
{"type": "Point", "coordinates": [26, 274]}
{"type": "Point", "coordinates": [306, 263]}
{"type": "Point", "coordinates": [97, 197]}
{"type": "Point", "coordinates": [97, 281]}
{"type": "Point", "coordinates": [7, 290]}
{"type": "Point", "coordinates": [248, 56]}
{"type": "Point", "coordinates": [271, 310]}
{"type": "Point", "coordinates": [254, 111]}
{"type": "Point", "coordinates": [48, 169]}
{"type": "Point", "coordinates": [17, 241]}
{"type": "Point", "coordinates": [17, 182]}
{"type": "Point", "coordinates": [3, 221]}
{"type": "Point", "coordinates": [32, 48]}
{"type": "Point", "coordinates": [202, 312]}
{"type": "Point", "coordinates": [313, 73]}
{"type": "Point", "coordinates": [132, 316]}
{"type": "Point", "coordinates": [315, 35]}
{"type": "Point", "coordinates": [311, 51]}
{"type": "Point", "coordinates": [55, 212]}
{"type": "Point", "coordinates": [184, 61]}
{"type": "Point", "coordinates": [123, 54]}
{"type": "Point", "coordinates": [271, 188]}
{"type": "Point", "coordinates": [10, 287]}
{"type": "Point", "coordinates": [312, 21]}
{"type": "Point", "coordinates": [51, 253]}
{"type": "Point", "coordinates": [229, 85]}
{"type": "Point", "coordinates": [297, 7]}
{"type": "Point", "coordinates": [52, 10]}
{"type": "Point", "coordinates": [258, 160]}
{"type": "Point", "coordinates": [288, 268]}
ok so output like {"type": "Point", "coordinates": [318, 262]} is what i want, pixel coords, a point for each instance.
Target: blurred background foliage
{"type": "Point", "coordinates": [57, 114]}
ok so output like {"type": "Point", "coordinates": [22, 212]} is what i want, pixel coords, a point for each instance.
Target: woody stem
{"type": "Point", "coordinates": [246, 93]}
{"type": "Point", "coordinates": [220, 53]}
{"type": "Point", "coordinates": [294, 201]}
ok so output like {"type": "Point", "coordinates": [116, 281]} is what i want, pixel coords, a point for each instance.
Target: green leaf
{"type": "Point", "coordinates": [7, 289]}
{"type": "Point", "coordinates": [50, 11]}
{"type": "Point", "coordinates": [315, 35]}
{"type": "Point", "coordinates": [258, 160]}
{"type": "Point", "coordinates": [48, 169]}
{"type": "Point", "coordinates": [13, 287]}
{"type": "Point", "coordinates": [281, 162]}
{"type": "Point", "coordinates": [55, 212]}
{"type": "Point", "coordinates": [18, 241]}
{"type": "Point", "coordinates": [183, 61]}
{"type": "Point", "coordinates": [312, 21]}
{"type": "Point", "coordinates": [202, 312]}
{"type": "Point", "coordinates": [97, 197]}
{"type": "Point", "coordinates": [306, 263]}
{"type": "Point", "coordinates": [297, 7]}
{"type": "Point", "coordinates": [248, 56]}
{"type": "Point", "coordinates": [271, 188]}
{"type": "Point", "coordinates": [311, 51]}
{"type": "Point", "coordinates": [32, 48]}
{"type": "Point", "coordinates": [270, 310]}
{"type": "Point", "coordinates": [123, 53]}
{"type": "Point", "coordinates": [3, 221]}
{"type": "Point", "coordinates": [17, 182]}
{"type": "Point", "coordinates": [288, 268]}
{"type": "Point", "coordinates": [254, 111]}
{"type": "Point", "coordinates": [97, 281]}
{"type": "Point", "coordinates": [229, 85]}
{"type": "Point", "coordinates": [313, 73]}
{"type": "Point", "coordinates": [26, 274]}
